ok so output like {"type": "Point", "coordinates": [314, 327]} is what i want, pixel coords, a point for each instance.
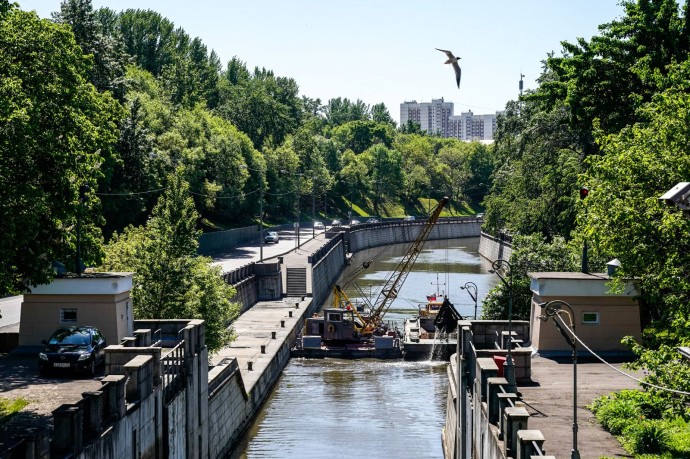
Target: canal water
{"type": "Point", "coordinates": [335, 408]}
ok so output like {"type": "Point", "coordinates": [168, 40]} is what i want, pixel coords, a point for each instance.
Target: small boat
{"type": "Point", "coordinates": [431, 334]}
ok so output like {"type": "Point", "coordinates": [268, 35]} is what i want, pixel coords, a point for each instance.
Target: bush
{"type": "Point", "coordinates": [616, 413]}
{"type": "Point", "coordinates": [647, 437]}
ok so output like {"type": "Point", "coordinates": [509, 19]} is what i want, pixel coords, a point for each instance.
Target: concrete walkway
{"type": "Point", "coordinates": [550, 405]}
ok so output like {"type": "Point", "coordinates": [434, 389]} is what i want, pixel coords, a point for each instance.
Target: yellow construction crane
{"type": "Point", "coordinates": [366, 324]}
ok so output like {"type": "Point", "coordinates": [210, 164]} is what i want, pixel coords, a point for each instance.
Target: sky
{"type": "Point", "coordinates": [383, 50]}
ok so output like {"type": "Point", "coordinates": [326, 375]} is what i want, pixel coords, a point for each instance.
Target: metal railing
{"type": "Point", "coordinates": [173, 372]}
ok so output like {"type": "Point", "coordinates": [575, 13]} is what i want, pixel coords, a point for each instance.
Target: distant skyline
{"type": "Point", "coordinates": [384, 51]}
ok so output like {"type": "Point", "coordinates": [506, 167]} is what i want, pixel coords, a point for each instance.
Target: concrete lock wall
{"type": "Point", "coordinates": [495, 248]}
{"type": "Point", "coordinates": [379, 234]}
{"type": "Point", "coordinates": [326, 271]}
{"type": "Point", "coordinates": [495, 426]}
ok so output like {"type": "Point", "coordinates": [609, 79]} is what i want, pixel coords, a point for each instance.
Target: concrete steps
{"type": "Point", "coordinates": [296, 282]}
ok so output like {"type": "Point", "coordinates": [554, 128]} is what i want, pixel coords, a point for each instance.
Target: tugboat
{"type": "Point", "coordinates": [431, 334]}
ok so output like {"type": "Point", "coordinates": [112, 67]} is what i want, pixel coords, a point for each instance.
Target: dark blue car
{"type": "Point", "coordinates": [78, 349]}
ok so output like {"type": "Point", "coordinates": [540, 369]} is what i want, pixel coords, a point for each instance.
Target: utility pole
{"type": "Point", "coordinates": [261, 217]}
{"type": "Point", "coordinates": [313, 208]}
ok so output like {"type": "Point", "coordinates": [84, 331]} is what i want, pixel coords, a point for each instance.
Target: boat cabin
{"type": "Point", "coordinates": [336, 325]}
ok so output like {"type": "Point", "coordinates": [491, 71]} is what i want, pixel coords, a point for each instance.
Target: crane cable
{"type": "Point", "coordinates": [644, 383]}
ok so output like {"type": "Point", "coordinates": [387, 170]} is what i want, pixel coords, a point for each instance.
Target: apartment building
{"type": "Point", "coordinates": [436, 117]}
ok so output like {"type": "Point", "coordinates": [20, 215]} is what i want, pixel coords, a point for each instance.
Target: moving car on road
{"type": "Point", "coordinates": [271, 237]}
{"type": "Point", "coordinates": [318, 226]}
{"type": "Point", "coordinates": [409, 218]}
{"type": "Point", "coordinates": [336, 223]}
{"type": "Point", "coordinates": [73, 348]}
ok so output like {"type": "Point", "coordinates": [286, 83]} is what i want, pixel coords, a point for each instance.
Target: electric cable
{"type": "Point", "coordinates": [644, 383]}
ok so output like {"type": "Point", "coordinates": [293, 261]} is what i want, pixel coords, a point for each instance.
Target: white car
{"type": "Point", "coordinates": [318, 226]}
{"type": "Point", "coordinates": [409, 218]}
{"type": "Point", "coordinates": [271, 236]}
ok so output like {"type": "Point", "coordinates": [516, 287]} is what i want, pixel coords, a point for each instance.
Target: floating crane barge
{"type": "Point", "coordinates": [346, 330]}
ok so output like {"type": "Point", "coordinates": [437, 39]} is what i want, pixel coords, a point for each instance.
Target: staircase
{"type": "Point", "coordinates": [296, 282]}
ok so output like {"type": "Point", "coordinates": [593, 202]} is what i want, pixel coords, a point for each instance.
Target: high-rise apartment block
{"type": "Point", "coordinates": [436, 117]}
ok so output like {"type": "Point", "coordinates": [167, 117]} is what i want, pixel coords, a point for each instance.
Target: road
{"type": "Point", "coordinates": [10, 309]}
{"type": "Point", "coordinates": [250, 253]}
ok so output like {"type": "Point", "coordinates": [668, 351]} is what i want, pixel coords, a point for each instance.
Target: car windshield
{"type": "Point", "coordinates": [272, 234]}
{"type": "Point", "coordinates": [74, 337]}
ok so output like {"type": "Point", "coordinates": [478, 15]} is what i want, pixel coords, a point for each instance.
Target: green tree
{"type": "Point", "coordinates": [380, 114]}
{"type": "Point", "coordinates": [360, 135]}
{"type": "Point", "coordinates": [55, 131]}
{"type": "Point", "coordinates": [170, 281]}
{"type": "Point", "coordinates": [530, 254]}
{"type": "Point", "coordinates": [624, 217]}
{"type": "Point", "coordinates": [384, 173]}
{"type": "Point", "coordinates": [339, 111]}
{"type": "Point", "coordinates": [106, 50]}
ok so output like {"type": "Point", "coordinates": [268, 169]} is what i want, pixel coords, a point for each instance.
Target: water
{"type": "Point", "coordinates": [371, 408]}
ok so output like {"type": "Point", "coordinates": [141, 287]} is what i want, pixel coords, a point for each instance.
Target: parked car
{"type": "Point", "coordinates": [75, 348]}
{"type": "Point", "coordinates": [271, 237]}
{"type": "Point", "coordinates": [373, 220]}
{"type": "Point", "coordinates": [336, 223]}
{"type": "Point", "coordinates": [319, 226]}
{"type": "Point", "coordinates": [409, 218]}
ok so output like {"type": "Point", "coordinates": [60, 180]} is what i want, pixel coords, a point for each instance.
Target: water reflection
{"type": "Point", "coordinates": [369, 408]}
{"type": "Point", "coordinates": [449, 263]}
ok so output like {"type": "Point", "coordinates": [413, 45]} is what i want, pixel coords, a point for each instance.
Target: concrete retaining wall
{"type": "Point", "coordinates": [231, 404]}
{"type": "Point", "coordinates": [495, 248]}
{"type": "Point", "coordinates": [326, 271]}
{"type": "Point", "coordinates": [366, 236]}
{"type": "Point", "coordinates": [495, 426]}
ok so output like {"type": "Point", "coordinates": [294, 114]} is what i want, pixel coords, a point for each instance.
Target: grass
{"type": "Point", "coordinates": [9, 408]}
{"type": "Point", "coordinates": [623, 414]}
{"type": "Point", "coordinates": [362, 209]}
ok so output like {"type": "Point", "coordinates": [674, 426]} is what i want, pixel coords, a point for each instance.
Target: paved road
{"type": "Point", "coordinates": [10, 309]}
{"type": "Point", "coordinates": [250, 253]}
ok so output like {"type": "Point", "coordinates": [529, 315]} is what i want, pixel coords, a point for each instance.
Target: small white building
{"type": "Point", "coordinates": [99, 299]}
{"type": "Point", "coordinates": [602, 318]}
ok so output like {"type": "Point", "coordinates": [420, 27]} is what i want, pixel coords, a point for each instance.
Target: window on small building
{"type": "Point", "coordinates": [590, 318]}
{"type": "Point", "coordinates": [68, 315]}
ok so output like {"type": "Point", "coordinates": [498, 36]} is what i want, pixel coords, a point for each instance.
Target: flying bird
{"type": "Point", "coordinates": [452, 60]}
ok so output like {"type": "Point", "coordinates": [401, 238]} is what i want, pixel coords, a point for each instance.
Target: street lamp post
{"type": "Point", "coordinates": [313, 209]}
{"type": "Point", "coordinates": [553, 309]}
{"type": "Point", "coordinates": [261, 217]}
{"type": "Point", "coordinates": [261, 209]}
{"type": "Point", "coordinates": [83, 189]}
{"type": "Point", "coordinates": [509, 366]}
{"type": "Point", "coordinates": [297, 210]}
{"type": "Point", "coordinates": [471, 288]}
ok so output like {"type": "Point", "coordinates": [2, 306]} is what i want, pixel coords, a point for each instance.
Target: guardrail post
{"type": "Point", "coordinates": [495, 385]}
{"type": "Point", "coordinates": [114, 386]}
{"type": "Point", "coordinates": [526, 441]}
{"type": "Point", "coordinates": [515, 419]}
{"type": "Point", "coordinates": [94, 408]}
{"type": "Point", "coordinates": [67, 432]}
{"type": "Point", "coordinates": [505, 400]}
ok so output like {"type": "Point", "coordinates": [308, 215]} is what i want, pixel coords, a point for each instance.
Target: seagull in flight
{"type": "Point", "coordinates": [452, 60]}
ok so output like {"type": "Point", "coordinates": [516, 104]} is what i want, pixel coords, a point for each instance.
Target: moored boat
{"type": "Point", "coordinates": [431, 334]}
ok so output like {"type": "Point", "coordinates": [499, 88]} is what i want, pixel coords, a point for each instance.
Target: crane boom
{"type": "Point", "coordinates": [397, 278]}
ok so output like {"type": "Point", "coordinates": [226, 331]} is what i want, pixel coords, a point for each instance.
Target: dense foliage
{"type": "Point", "coordinates": [170, 280]}
{"type": "Point", "coordinates": [121, 128]}
{"type": "Point", "coordinates": [610, 114]}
